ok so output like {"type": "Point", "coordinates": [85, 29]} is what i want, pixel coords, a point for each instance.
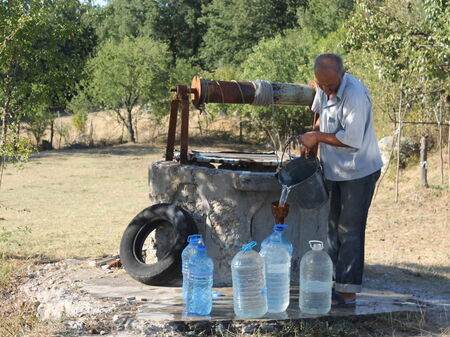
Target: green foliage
{"type": "Point", "coordinates": [128, 75]}
{"type": "Point", "coordinates": [183, 72]}
{"type": "Point", "coordinates": [43, 46]}
{"type": "Point", "coordinates": [281, 59]}
{"type": "Point", "coordinates": [81, 105]}
{"type": "Point", "coordinates": [172, 22]}
{"type": "Point", "coordinates": [322, 17]}
{"type": "Point", "coordinates": [235, 26]}
{"type": "Point", "coordinates": [79, 120]}
{"type": "Point", "coordinates": [408, 43]}
{"type": "Point", "coordinates": [15, 149]}
{"type": "Point", "coordinates": [38, 120]}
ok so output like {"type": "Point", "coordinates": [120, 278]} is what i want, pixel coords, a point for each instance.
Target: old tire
{"type": "Point", "coordinates": [168, 268]}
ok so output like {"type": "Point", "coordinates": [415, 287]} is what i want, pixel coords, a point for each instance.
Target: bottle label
{"type": "Point", "coordinates": [278, 268]}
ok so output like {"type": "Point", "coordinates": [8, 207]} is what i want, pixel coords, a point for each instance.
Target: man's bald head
{"type": "Point", "coordinates": [328, 62]}
{"type": "Point", "coordinates": [329, 70]}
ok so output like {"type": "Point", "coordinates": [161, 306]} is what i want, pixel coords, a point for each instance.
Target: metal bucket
{"type": "Point", "coordinates": [304, 178]}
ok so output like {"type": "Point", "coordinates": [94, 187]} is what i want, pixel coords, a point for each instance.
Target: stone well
{"type": "Point", "coordinates": [232, 208]}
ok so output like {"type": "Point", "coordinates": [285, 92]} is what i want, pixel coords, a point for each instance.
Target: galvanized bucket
{"type": "Point", "coordinates": [304, 178]}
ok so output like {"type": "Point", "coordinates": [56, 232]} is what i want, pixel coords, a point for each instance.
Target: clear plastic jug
{"type": "Point", "coordinates": [278, 274]}
{"type": "Point", "coordinates": [316, 270]}
{"type": "Point", "coordinates": [185, 256]}
{"type": "Point", "coordinates": [199, 293]}
{"type": "Point", "coordinates": [249, 286]}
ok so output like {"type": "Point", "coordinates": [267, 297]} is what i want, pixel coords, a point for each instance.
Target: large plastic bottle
{"type": "Point", "coordinates": [199, 294]}
{"type": "Point", "coordinates": [185, 256]}
{"type": "Point", "coordinates": [249, 287]}
{"type": "Point", "coordinates": [277, 263]}
{"type": "Point", "coordinates": [316, 270]}
{"type": "Point", "coordinates": [279, 231]}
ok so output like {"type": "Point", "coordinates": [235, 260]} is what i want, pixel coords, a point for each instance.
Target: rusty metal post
{"type": "Point", "coordinates": [182, 92]}
{"type": "Point", "coordinates": [172, 128]}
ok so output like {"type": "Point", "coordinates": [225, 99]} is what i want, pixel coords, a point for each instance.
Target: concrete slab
{"type": "Point", "coordinates": [111, 301]}
{"type": "Point", "coordinates": [165, 303]}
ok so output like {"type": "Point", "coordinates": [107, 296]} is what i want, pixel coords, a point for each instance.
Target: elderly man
{"type": "Point", "coordinates": [351, 161]}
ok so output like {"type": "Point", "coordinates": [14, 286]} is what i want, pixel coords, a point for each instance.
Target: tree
{"type": "Point", "coordinates": [235, 26]}
{"type": "Point", "coordinates": [172, 22]}
{"type": "Point", "coordinates": [43, 46]}
{"type": "Point", "coordinates": [129, 75]}
{"type": "Point", "coordinates": [281, 59]}
{"type": "Point", "coordinates": [321, 17]}
{"type": "Point", "coordinates": [409, 44]}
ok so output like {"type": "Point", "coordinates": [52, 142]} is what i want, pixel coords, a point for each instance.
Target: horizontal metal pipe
{"type": "Point", "coordinates": [234, 92]}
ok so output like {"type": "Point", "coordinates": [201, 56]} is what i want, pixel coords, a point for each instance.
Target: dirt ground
{"type": "Point", "coordinates": [76, 203]}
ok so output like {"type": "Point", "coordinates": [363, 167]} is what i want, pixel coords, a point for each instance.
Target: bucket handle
{"type": "Point", "coordinates": [291, 139]}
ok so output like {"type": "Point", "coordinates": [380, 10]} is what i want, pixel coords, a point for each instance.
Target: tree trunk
{"type": "Point", "coordinates": [130, 128]}
{"type": "Point", "coordinates": [400, 119]}
{"type": "Point", "coordinates": [52, 132]}
{"type": "Point", "coordinates": [5, 120]}
{"type": "Point", "coordinates": [448, 156]}
{"type": "Point", "coordinates": [441, 153]}
{"type": "Point", "coordinates": [241, 136]}
{"type": "Point", "coordinates": [423, 161]}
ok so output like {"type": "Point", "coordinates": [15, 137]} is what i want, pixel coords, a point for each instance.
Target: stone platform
{"type": "Point", "coordinates": [165, 303]}
{"type": "Point", "coordinates": [161, 309]}
{"type": "Point", "coordinates": [111, 303]}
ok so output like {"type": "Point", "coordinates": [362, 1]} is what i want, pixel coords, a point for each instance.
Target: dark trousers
{"type": "Point", "coordinates": [349, 205]}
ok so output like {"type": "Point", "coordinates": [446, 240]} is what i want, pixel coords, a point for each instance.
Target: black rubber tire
{"type": "Point", "coordinates": [168, 268]}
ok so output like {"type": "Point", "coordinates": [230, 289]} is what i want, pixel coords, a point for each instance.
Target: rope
{"type": "Point", "coordinates": [263, 93]}
{"type": "Point", "coordinates": [221, 92]}
{"type": "Point", "coordinates": [239, 87]}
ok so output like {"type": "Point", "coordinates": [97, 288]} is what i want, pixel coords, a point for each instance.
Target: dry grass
{"type": "Point", "coordinates": [77, 203]}
{"type": "Point", "coordinates": [413, 233]}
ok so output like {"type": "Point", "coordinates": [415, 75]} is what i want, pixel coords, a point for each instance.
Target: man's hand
{"type": "Point", "coordinates": [309, 139]}
{"type": "Point", "coordinates": [313, 84]}
{"type": "Point", "coordinates": [308, 153]}
{"type": "Point", "coordinates": [309, 143]}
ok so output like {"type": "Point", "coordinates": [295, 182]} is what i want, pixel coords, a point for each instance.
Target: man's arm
{"type": "Point", "coordinates": [313, 138]}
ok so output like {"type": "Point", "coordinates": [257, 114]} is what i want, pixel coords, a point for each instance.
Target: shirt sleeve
{"type": "Point", "coordinates": [354, 117]}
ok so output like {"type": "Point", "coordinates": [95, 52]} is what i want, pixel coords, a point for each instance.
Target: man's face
{"type": "Point", "coordinates": [328, 81]}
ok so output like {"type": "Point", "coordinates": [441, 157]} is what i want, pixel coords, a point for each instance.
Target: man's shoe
{"type": "Point", "coordinates": [341, 303]}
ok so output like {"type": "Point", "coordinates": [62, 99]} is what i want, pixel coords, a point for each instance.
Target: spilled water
{"type": "Point", "coordinates": [284, 195]}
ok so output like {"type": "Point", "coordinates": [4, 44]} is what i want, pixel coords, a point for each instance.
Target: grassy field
{"type": "Point", "coordinates": [77, 203]}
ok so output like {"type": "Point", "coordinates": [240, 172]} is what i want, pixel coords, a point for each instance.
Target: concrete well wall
{"type": "Point", "coordinates": [232, 208]}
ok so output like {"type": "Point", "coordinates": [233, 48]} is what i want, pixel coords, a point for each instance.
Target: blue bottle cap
{"type": "Point", "coordinates": [249, 246]}
{"type": "Point", "coordinates": [280, 227]}
{"type": "Point", "coordinates": [194, 238]}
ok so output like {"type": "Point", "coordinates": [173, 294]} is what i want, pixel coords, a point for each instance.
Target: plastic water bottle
{"type": "Point", "coordinates": [278, 274]}
{"type": "Point", "coordinates": [278, 231]}
{"type": "Point", "coordinates": [185, 256]}
{"type": "Point", "coordinates": [199, 294]}
{"type": "Point", "coordinates": [249, 287]}
{"type": "Point", "coordinates": [316, 270]}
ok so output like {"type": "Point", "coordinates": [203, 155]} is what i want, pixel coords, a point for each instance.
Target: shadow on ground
{"type": "Point", "coordinates": [116, 150]}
